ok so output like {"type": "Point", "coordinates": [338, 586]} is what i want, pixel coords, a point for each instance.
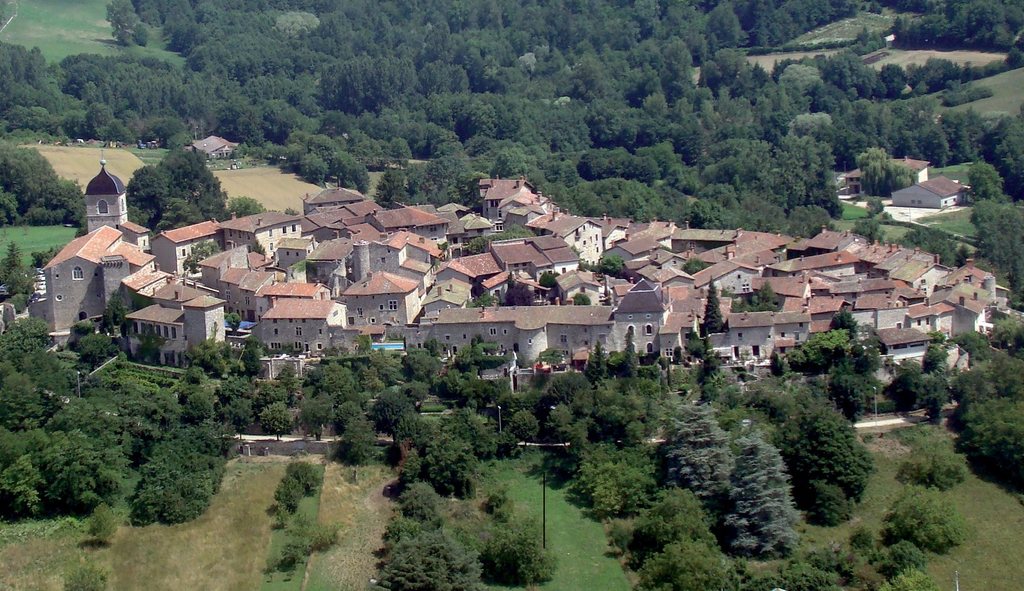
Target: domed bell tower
{"type": "Point", "coordinates": [105, 201]}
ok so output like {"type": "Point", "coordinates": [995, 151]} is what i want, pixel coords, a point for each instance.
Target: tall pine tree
{"type": "Point", "coordinates": [697, 453]}
{"type": "Point", "coordinates": [763, 516]}
{"type": "Point", "coordinates": [597, 366]}
{"type": "Point", "coordinates": [713, 321]}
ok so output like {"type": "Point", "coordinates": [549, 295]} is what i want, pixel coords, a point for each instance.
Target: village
{"type": "Point", "coordinates": [347, 271]}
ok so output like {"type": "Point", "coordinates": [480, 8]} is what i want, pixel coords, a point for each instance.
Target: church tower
{"type": "Point", "coordinates": [105, 201]}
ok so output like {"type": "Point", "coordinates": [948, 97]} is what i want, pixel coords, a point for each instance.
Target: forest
{"type": "Point", "coordinates": [601, 105]}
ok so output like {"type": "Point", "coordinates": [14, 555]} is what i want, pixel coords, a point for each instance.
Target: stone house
{"type": "Point", "coordinates": [303, 325]}
{"type": "Point", "coordinates": [328, 264]}
{"type": "Point", "coordinates": [214, 147]}
{"type": "Point", "coordinates": [172, 247]}
{"type": "Point", "coordinates": [168, 332]}
{"type": "Point", "coordinates": [329, 198]}
{"type": "Point", "coordinates": [417, 220]}
{"type": "Point", "coordinates": [260, 231]}
{"type": "Point", "coordinates": [581, 234]}
{"type": "Point", "coordinates": [899, 344]}
{"type": "Point", "coordinates": [382, 298]}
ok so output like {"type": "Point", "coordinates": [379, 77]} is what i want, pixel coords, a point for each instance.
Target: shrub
{"type": "Point", "coordinates": [900, 557]}
{"type": "Point", "coordinates": [513, 556]}
{"type": "Point", "coordinates": [935, 466]}
{"type": "Point", "coordinates": [305, 474]}
{"type": "Point", "coordinates": [926, 518]}
{"type": "Point", "coordinates": [420, 503]}
{"type": "Point", "coordinates": [323, 536]}
{"type": "Point", "coordinates": [862, 540]}
{"type": "Point", "coordinates": [85, 577]}
{"type": "Point", "coordinates": [499, 505]}
{"type": "Point", "coordinates": [288, 494]}
{"type": "Point", "coordinates": [830, 506]}
{"type": "Point", "coordinates": [102, 524]}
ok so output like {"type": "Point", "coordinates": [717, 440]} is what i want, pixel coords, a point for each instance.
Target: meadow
{"type": "Point", "coordinates": [80, 164]}
{"type": "Point", "coordinates": [846, 29]}
{"type": "Point", "coordinates": [579, 543]}
{"type": "Point", "coordinates": [275, 189]}
{"type": "Point", "coordinates": [35, 238]}
{"type": "Point", "coordinates": [224, 549]}
{"type": "Point", "coordinates": [906, 57]}
{"type": "Point", "coordinates": [992, 558]}
{"type": "Point", "coordinates": [290, 581]}
{"type": "Point", "coordinates": [955, 222]}
{"type": "Point", "coordinates": [1007, 97]}
{"type": "Point", "coordinates": [768, 60]}
{"type": "Point", "coordinates": [60, 28]}
{"type": "Point", "coordinates": [353, 498]}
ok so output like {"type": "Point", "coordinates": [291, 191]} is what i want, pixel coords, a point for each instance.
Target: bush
{"type": "Point", "coordinates": [420, 503]}
{"type": "Point", "coordinates": [323, 536]}
{"type": "Point", "coordinates": [829, 507]}
{"type": "Point", "coordinates": [102, 524]}
{"type": "Point", "coordinates": [288, 494]}
{"type": "Point", "coordinates": [513, 556]}
{"type": "Point", "coordinates": [900, 557]}
{"type": "Point", "coordinates": [926, 518]}
{"type": "Point", "coordinates": [85, 577]}
{"type": "Point", "coordinates": [935, 466]}
{"type": "Point", "coordinates": [499, 505]}
{"type": "Point", "coordinates": [862, 540]}
{"type": "Point", "coordinates": [305, 474]}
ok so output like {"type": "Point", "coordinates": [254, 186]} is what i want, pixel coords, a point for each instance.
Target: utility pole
{"type": "Point", "coordinates": [499, 419]}
{"type": "Point", "coordinates": [78, 379]}
{"type": "Point", "coordinates": [956, 579]}
{"type": "Point", "coordinates": [544, 508]}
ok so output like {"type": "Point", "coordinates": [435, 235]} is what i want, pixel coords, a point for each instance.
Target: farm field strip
{"type": "Point", "coordinates": [275, 189]}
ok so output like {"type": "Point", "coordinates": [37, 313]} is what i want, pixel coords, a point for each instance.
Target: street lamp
{"type": "Point", "coordinates": [78, 381]}
{"type": "Point", "coordinates": [874, 389]}
{"type": "Point", "coordinates": [499, 419]}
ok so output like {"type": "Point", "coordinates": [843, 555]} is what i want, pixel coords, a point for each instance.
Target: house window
{"type": "Point", "coordinates": [59, 298]}
{"type": "Point", "coordinates": [298, 331]}
{"type": "Point", "coordinates": [101, 206]}
{"type": "Point", "coordinates": [648, 329]}
{"type": "Point", "coordinates": [359, 312]}
{"type": "Point", "coordinates": [275, 332]}
{"type": "Point", "coordinates": [563, 339]}
{"type": "Point", "coordinates": [319, 346]}
{"type": "Point", "coordinates": [447, 337]}
{"type": "Point", "coordinates": [739, 335]}
{"type": "Point", "coordinates": [647, 316]}
{"type": "Point", "coordinates": [494, 331]}
{"type": "Point", "coordinates": [275, 345]}
{"type": "Point", "coordinates": [77, 274]}
{"type": "Point", "coordinates": [650, 348]}
{"type": "Point", "coordinates": [174, 332]}
{"type": "Point", "coordinates": [392, 305]}
{"type": "Point", "coordinates": [529, 341]}
{"type": "Point", "coordinates": [381, 307]}
{"type": "Point", "coordinates": [373, 320]}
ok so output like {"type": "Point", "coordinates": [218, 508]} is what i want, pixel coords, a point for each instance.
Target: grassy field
{"type": "Point", "coordinates": [35, 238]}
{"type": "Point", "coordinates": [957, 222]}
{"type": "Point", "coordinates": [81, 164]}
{"type": "Point", "coordinates": [578, 542]}
{"type": "Point", "coordinates": [275, 189]}
{"type": "Point", "coordinates": [289, 581]}
{"type": "Point", "coordinates": [226, 548]}
{"type": "Point", "coordinates": [991, 559]}
{"type": "Point", "coordinates": [60, 28]}
{"type": "Point", "coordinates": [1008, 89]}
{"type": "Point", "coordinates": [853, 212]}
{"type": "Point", "coordinates": [906, 57]}
{"type": "Point", "coordinates": [363, 512]}
{"type": "Point", "coordinates": [768, 60]}
{"type": "Point", "coordinates": [891, 232]}
{"type": "Point", "coordinates": [957, 172]}
{"type": "Point", "coordinates": [846, 29]}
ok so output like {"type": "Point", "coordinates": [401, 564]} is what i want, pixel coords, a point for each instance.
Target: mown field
{"type": "Point", "coordinates": [853, 212]}
{"type": "Point", "coordinates": [35, 238]}
{"type": "Point", "coordinates": [577, 541]}
{"type": "Point", "coordinates": [80, 164]}
{"type": "Point", "coordinates": [224, 549]}
{"type": "Point", "coordinates": [1008, 94]}
{"type": "Point", "coordinates": [289, 581]}
{"type": "Point", "coordinates": [275, 189]}
{"type": "Point", "coordinates": [906, 57]}
{"type": "Point", "coordinates": [60, 28]}
{"type": "Point", "coordinates": [992, 558]}
{"type": "Point", "coordinates": [768, 60]}
{"type": "Point", "coordinates": [957, 172]}
{"type": "Point", "coordinates": [353, 498]}
{"type": "Point", "coordinates": [890, 232]}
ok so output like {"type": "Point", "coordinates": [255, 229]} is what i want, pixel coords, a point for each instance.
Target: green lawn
{"type": "Point", "coordinates": [35, 238]}
{"type": "Point", "coordinates": [60, 28]}
{"type": "Point", "coordinates": [991, 559]}
{"type": "Point", "coordinates": [853, 212]}
{"type": "Point", "coordinates": [279, 581]}
{"type": "Point", "coordinates": [577, 541]}
{"type": "Point", "coordinates": [957, 172]}
{"type": "Point", "coordinates": [956, 222]}
{"type": "Point", "coordinates": [149, 156]}
{"type": "Point", "coordinates": [1008, 98]}
{"type": "Point", "coordinates": [890, 232]}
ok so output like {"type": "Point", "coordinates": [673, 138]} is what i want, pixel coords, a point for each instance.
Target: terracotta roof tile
{"type": "Point", "coordinates": [296, 309]}
{"type": "Point", "coordinates": [207, 229]}
{"type": "Point", "coordinates": [381, 283]}
{"type": "Point", "coordinates": [259, 221]}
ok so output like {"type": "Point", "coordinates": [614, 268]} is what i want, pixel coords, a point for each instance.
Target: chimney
{"type": "Point", "coordinates": [233, 215]}
{"type": "Point", "coordinates": [558, 301]}
{"type": "Point", "coordinates": [969, 264]}
{"type": "Point", "coordinates": [961, 300]}
{"type": "Point", "coordinates": [730, 252]}
{"type": "Point", "coordinates": [975, 296]}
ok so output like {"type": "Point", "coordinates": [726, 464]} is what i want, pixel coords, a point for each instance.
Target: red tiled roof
{"type": "Point", "coordinates": [381, 283]}
{"type": "Point", "coordinates": [194, 232]}
{"type": "Point", "coordinates": [132, 254]}
{"type": "Point", "coordinates": [91, 247]}
{"type": "Point", "coordinates": [157, 313]}
{"type": "Point", "coordinates": [404, 237]}
{"type": "Point", "coordinates": [339, 195]}
{"type": "Point", "coordinates": [134, 228]}
{"type": "Point", "coordinates": [476, 265]}
{"type": "Point", "coordinates": [143, 279]}
{"type": "Point", "coordinates": [407, 217]}
{"type": "Point", "coordinates": [942, 186]}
